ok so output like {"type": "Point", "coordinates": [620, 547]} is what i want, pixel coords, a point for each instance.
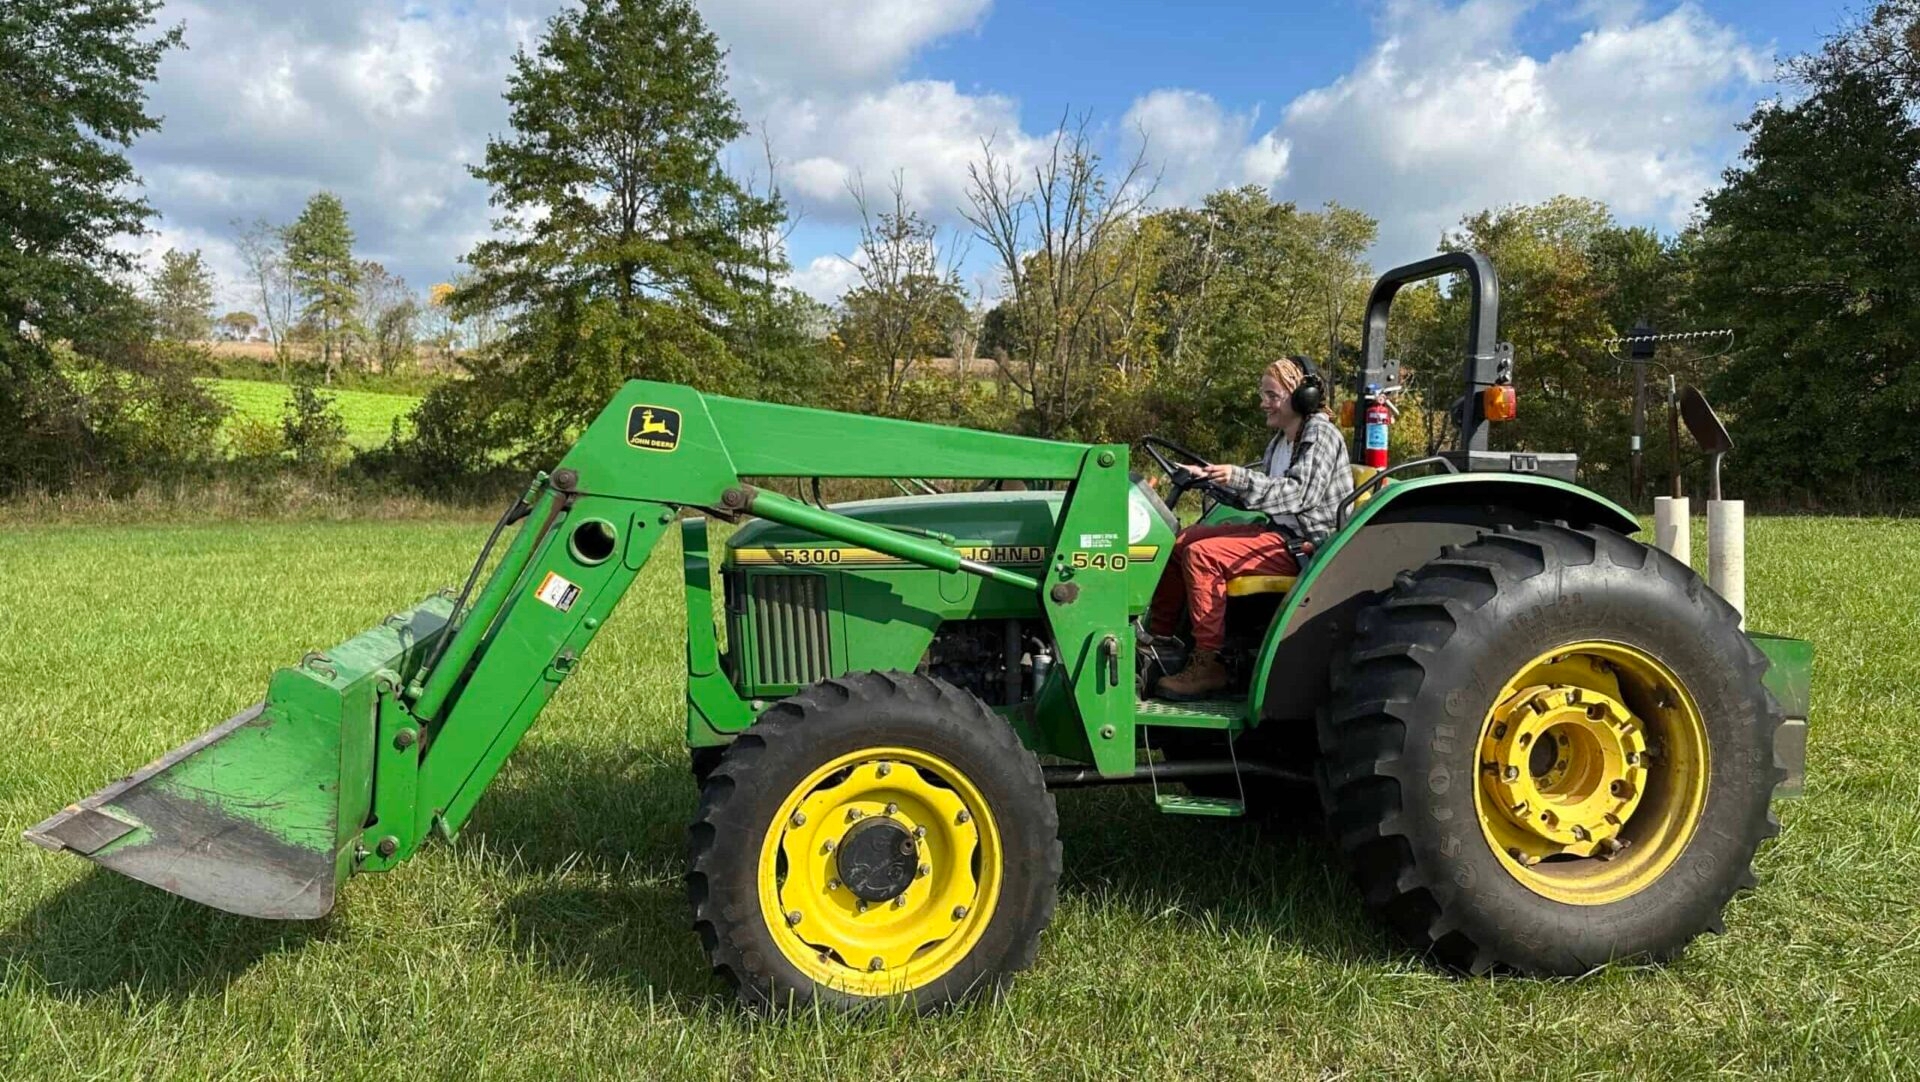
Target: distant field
{"type": "Point", "coordinates": [369, 414]}
{"type": "Point", "coordinates": [552, 940]}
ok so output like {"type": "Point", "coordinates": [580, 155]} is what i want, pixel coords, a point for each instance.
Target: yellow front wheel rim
{"type": "Point", "coordinates": [880, 871]}
{"type": "Point", "coordinates": [1592, 772]}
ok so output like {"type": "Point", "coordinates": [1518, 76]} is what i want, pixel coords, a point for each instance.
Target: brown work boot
{"type": "Point", "coordinates": [1203, 676]}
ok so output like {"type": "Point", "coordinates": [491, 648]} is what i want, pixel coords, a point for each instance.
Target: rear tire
{"type": "Point", "coordinates": [1439, 675]}
{"type": "Point", "coordinates": [800, 892]}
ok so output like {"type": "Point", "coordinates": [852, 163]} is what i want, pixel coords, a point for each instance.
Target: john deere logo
{"type": "Point", "coordinates": [653, 428]}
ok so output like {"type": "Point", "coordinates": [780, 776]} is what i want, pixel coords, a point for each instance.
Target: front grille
{"type": "Point", "coordinates": [790, 633]}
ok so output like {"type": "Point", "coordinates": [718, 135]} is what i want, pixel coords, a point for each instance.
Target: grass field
{"type": "Point", "coordinates": [552, 941]}
{"type": "Point", "coordinates": [369, 415]}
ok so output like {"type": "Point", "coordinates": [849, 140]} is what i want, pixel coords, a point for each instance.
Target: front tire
{"type": "Point", "coordinates": [878, 837]}
{"type": "Point", "coordinates": [1550, 749]}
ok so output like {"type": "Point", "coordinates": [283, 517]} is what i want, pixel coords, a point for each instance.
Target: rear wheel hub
{"type": "Point", "coordinates": [1566, 767]}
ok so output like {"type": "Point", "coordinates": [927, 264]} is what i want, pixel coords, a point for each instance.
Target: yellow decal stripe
{"type": "Point", "coordinates": [835, 556]}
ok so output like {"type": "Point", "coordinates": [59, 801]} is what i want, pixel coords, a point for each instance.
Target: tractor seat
{"type": "Point", "coordinates": [1249, 585]}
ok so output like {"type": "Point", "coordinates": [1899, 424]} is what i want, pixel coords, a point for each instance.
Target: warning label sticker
{"type": "Point", "coordinates": [557, 592]}
{"type": "Point", "coordinates": [1099, 540]}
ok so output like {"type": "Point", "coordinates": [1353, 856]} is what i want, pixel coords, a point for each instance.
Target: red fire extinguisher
{"type": "Point", "coordinates": [1379, 416]}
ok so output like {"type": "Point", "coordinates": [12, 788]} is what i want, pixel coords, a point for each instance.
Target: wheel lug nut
{"type": "Point", "coordinates": [964, 817]}
{"type": "Point", "coordinates": [959, 912]}
{"type": "Point", "coordinates": [793, 918]}
{"type": "Point", "coordinates": [1500, 731]}
{"type": "Point", "coordinates": [1512, 773]}
{"type": "Point", "coordinates": [883, 770]}
{"type": "Point", "coordinates": [900, 902]}
{"type": "Point", "coordinates": [919, 832]}
{"type": "Point", "coordinates": [833, 884]}
{"type": "Point", "coordinates": [1580, 833]}
{"type": "Point", "coordinates": [876, 965]}
{"type": "Point", "coordinates": [863, 906]}
{"type": "Point", "coordinates": [854, 815]}
{"type": "Point", "coordinates": [799, 819]}
{"type": "Point", "coordinates": [827, 846]}
{"type": "Point", "coordinates": [922, 871]}
{"type": "Point", "coordinates": [892, 808]}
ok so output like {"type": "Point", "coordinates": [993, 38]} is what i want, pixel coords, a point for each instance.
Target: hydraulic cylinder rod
{"type": "Point", "coordinates": [791, 512]}
{"type": "Point", "coordinates": [466, 638]}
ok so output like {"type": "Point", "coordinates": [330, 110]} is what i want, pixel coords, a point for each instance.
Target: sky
{"type": "Point", "coordinates": [1415, 111]}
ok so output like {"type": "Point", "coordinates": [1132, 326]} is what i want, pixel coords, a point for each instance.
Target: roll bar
{"type": "Point", "coordinates": [1484, 354]}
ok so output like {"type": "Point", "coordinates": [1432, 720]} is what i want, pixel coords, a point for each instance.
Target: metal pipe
{"type": "Point", "coordinates": [1080, 777]}
{"type": "Point", "coordinates": [791, 512]}
{"type": "Point", "coordinates": [1010, 644]}
{"type": "Point", "coordinates": [466, 640]}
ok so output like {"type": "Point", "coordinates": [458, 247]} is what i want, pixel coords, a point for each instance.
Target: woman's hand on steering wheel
{"type": "Point", "coordinates": [1193, 472]}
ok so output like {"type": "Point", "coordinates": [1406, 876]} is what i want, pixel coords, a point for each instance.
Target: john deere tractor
{"type": "Point", "coordinates": [1540, 744]}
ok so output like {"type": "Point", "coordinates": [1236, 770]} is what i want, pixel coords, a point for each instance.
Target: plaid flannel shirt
{"type": "Point", "coordinates": [1314, 483]}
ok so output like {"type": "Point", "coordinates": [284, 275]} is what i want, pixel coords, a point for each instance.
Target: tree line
{"type": "Point", "coordinates": [624, 247]}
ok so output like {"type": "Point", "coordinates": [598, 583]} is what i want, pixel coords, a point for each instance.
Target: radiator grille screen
{"type": "Point", "coordinates": [790, 637]}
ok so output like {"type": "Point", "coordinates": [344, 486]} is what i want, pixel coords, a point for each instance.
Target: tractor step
{"type": "Point", "coordinates": [1222, 714]}
{"type": "Point", "coordinates": [1181, 804]}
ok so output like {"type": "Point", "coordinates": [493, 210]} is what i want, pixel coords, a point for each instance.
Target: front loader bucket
{"type": "Point", "coordinates": [263, 814]}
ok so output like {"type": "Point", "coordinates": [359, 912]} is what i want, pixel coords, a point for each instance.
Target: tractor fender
{"type": "Point", "coordinates": [1400, 528]}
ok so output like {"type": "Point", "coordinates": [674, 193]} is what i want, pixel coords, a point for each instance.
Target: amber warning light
{"type": "Point", "coordinates": [1499, 403]}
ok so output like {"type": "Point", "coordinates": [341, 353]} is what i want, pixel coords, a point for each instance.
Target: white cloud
{"type": "Point", "coordinates": [384, 106]}
{"type": "Point", "coordinates": [386, 102]}
{"type": "Point", "coordinates": [826, 277]}
{"type": "Point", "coordinates": [925, 131]}
{"type": "Point", "coordinates": [1446, 116]}
{"type": "Point", "coordinates": [1196, 146]}
{"type": "Point", "coordinates": [822, 44]}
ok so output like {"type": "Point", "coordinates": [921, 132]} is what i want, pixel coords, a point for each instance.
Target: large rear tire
{"type": "Point", "coordinates": [1550, 749]}
{"type": "Point", "coordinates": [881, 837]}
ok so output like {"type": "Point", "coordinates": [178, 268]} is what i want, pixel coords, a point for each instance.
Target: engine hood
{"type": "Point", "coordinates": [1016, 525]}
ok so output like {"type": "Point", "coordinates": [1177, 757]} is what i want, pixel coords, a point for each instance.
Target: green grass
{"type": "Point", "coordinates": [369, 415]}
{"type": "Point", "coordinates": [552, 941]}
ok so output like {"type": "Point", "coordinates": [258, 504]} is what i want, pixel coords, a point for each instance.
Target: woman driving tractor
{"type": "Point", "coordinates": [1302, 478]}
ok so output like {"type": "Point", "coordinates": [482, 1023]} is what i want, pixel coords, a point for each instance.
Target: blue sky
{"type": "Point", "coordinates": [1416, 111]}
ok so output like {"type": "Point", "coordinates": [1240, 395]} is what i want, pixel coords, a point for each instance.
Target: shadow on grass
{"type": "Point", "coordinates": [604, 831]}
{"type": "Point", "coordinates": [1259, 877]}
{"type": "Point", "coordinates": [107, 935]}
{"type": "Point", "coordinates": [622, 814]}
{"type": "Point", "coordinates": [598, 834]}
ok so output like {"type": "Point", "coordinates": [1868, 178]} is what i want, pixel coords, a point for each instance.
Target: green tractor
{"type": "Point", "coordinates": [1540, 745]}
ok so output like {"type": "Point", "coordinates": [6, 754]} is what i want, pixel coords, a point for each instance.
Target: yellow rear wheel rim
{"type": "Point", "coordinates": [1592, 772]}
{"type": "Point", "coordinates": [889, 945]}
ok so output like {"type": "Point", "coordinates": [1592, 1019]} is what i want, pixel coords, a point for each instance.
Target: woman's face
{"type": "Point", "coordinates": [1275, 403]}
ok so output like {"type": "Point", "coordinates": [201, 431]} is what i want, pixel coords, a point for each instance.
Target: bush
{"type": "Point", "coordinates": [68, 417]}
{"type": "Point", "coordinates": [313, 429]}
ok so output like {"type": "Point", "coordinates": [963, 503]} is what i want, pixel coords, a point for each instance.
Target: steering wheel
{"type": "Point", "coordinates": [1157, 449]}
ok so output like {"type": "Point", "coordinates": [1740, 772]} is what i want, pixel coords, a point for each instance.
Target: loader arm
{"type": "Point", "coordinates": [355, 759]}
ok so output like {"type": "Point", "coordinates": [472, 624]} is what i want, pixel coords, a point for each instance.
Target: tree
{"type": "Point", "coordinates": [73, 77]}
{"type": "Point", "coordinates": [1883, 45]}
{"type": "Point", "coordinates": [623, 248]}
{"type": "Point", "coordinates": [270, 279]}
{"type": "Point", "coordinates": [237, 326]}
{"type": "Point", "coordinates": [1063, 242]}
{"type": "Point", "coordinates": [908, 304]}
{"type": "Point", "coordinates": [319, 253]}
{"type": "Point", "coordinates": [181, 293]}
{"type": "Point", "coordinates": [387, 314]}
{"type": "Point", "coordinates": [1812, 250]}
{"type": "Point", "coordinates": [1553, 309]}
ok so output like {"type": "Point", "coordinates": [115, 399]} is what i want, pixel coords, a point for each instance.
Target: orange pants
{"type": "Point", "coordinates": [1204, 558]}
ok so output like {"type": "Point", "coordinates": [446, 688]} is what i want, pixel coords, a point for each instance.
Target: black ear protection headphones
{"type": "Point", "coordinates": [1310, 397]}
